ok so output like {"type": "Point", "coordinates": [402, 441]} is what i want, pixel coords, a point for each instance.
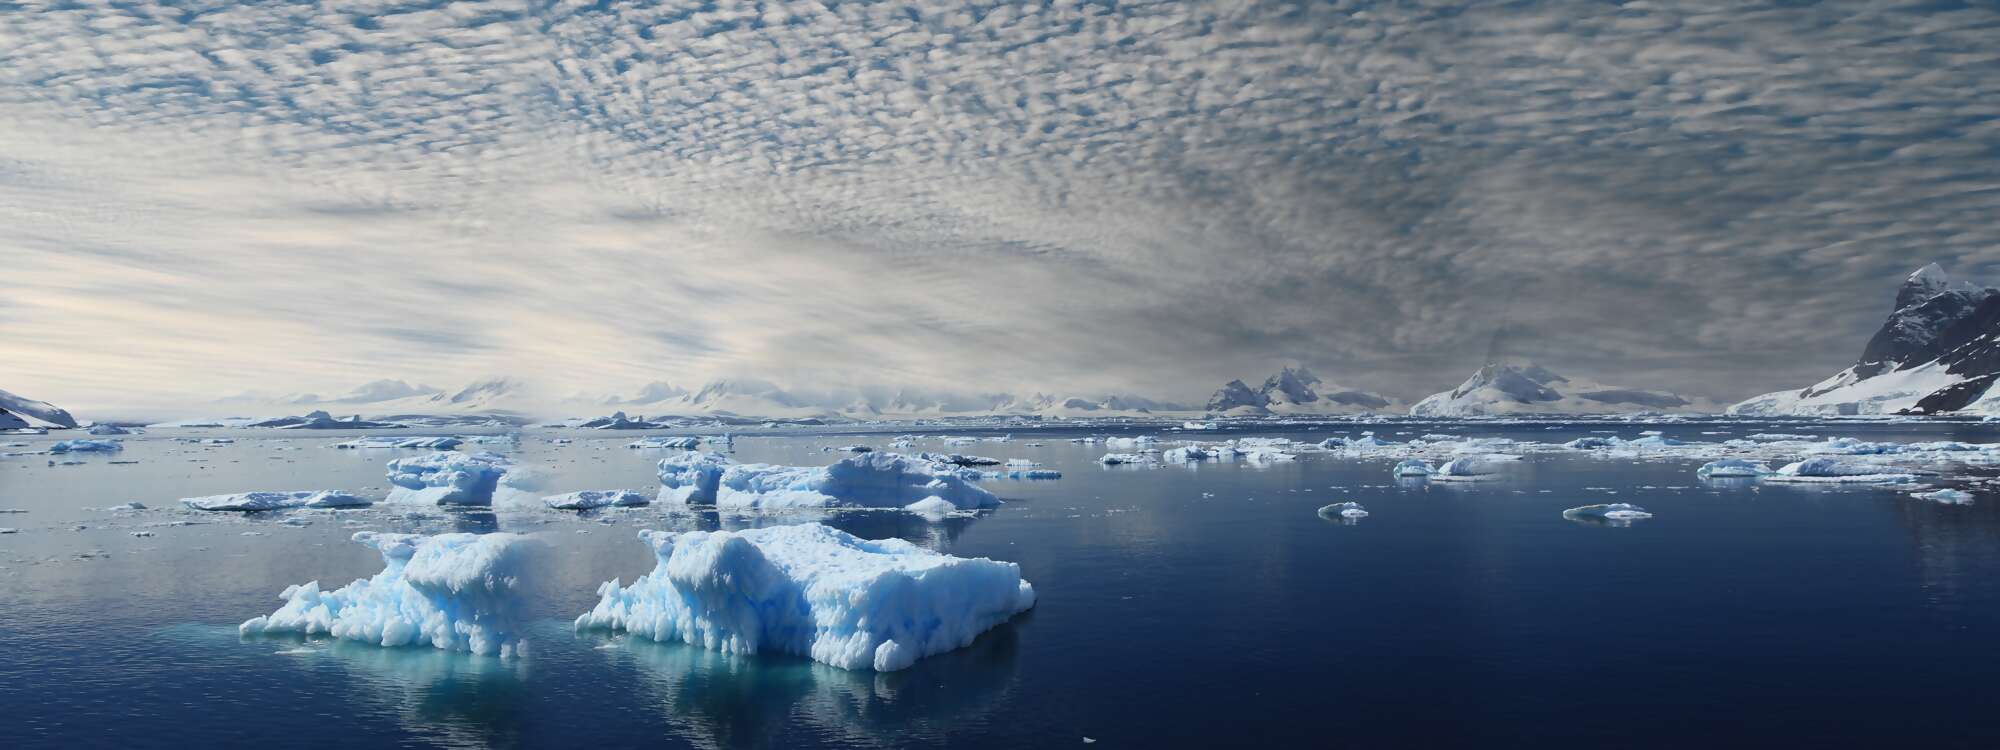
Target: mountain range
{"type": "Point", "coordinates": [1937, 353]}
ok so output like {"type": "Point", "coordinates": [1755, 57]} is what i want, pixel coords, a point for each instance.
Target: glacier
{"type": "Point", "coordinates": [446, 478]}
{"type": "Point", "coordinates": [256, 501]}
{"type": "Point", "coordinates": [814, 591]}
{"type": "Point", "coordinates": [456, 592]}
{"type": "Point", "coordinates": [866, 480]}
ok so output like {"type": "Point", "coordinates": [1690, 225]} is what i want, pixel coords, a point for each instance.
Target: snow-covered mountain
{"type": "Point", "coordinates": [1527, 388]}
{"type": "Point", "coordinates": [17, 412]}
{"type": "Point", "coordinates": [1295, 390]}
{"type": "Point", "coordinates": [1938, 353]}
{"type": "Point", "coordinates": [751, 397]}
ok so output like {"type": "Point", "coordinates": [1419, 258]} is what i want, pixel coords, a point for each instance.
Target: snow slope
{"type": "Point", "coordinates": [813, 591]}
{"type": "Point", "coordinates": [17, 412]}
{"type": "Point", "coordinates": [1527, 388]}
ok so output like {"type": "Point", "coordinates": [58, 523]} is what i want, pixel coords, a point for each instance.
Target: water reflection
{"type": "Point", "coordinates": [451, 698]}
{"type": "Point", "coordinates": [726, 701]}
{"type": "Point", "coordinates": [933, 533]}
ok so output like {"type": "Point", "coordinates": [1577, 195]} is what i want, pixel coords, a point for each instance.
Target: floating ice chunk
{"type": "Point", "coordinates": [1471, 469]}
{"type": "Point", "coordinates": [446, 478]}
{"type": "Point", "coordinates": [1185, 454]}
{"type": "Point", "coordinates": [1825, 469]}
{"type": "Point", "coordinates": [959, 459]}
{"type": "Point", "coordinates": [86, 446]}
{"type": "Point", "coordinates": [812, 591]}
{"type": "Point", "coordinates": [931, 506]}
{"type": "Point", "coordinates": [9, 530]}
{"type": "Point", "coordinates": [1592, 442]}
{"type": "Point", "coordinates": [1023, 474]}
{"type": "Point", "coordinates": [666, 442]}
{"type": "Point", "coordinates": [858, 449]}
{"type": "Point", "coordinates": [1265, 456]}
{"type": "Point", "coordinates": [1142, 441]}
{"type": "Point", "coordinates": [1777, 436]}
{"type": "Point", "coordinates": [142, 533]}
{"type": "Point", "coordinates": [588, 499]}
{"type": "Point", "coordinates": [867, 480]}
{"type": "Point", "coordinates": [1117, 459]}
{"type": "Point", "coordinates": [1021, 463]}
{"type": "Point", "coordinates": [1343, 510]}
{"type": "Point", "coordinates": [1950, 497]}
{"type": "Point", "coordinates": [692, 478]}
{"type": "Point", "coordinates": [134, 505]}
{"type": "Point", "coordinates": [1625, 512]}
{"type": "Point", "coordinates": [1198, 425]}
{"type": "Point", "coordinates": [457, 592]}
{"type": "Point", "coordinates": [1732, 468]}
{"type": "Point", "coordinates": [1412, 467]}
{"type": "Point", "coordinates": [107, 429]}
{"type": "Point", "coordinates": [443, 443]}
{"type": "Point", "coordinates": [256, 501]}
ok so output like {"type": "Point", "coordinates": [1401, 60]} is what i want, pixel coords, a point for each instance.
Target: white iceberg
{"type": "Point", "coordinates": [1949, 497]}
{"type": "Point", "coordinates": [1412, 467]}
{"type": "Point", "coordinates": [1730, 468]}
{"type": "Point", "coordinates": [1118, 459]}
{"type": "Point", "coordinates": [867, 480]}
{"type": "Point", "coordinates": [457, 592]}
{"type": "Point", "coordinates": [446, 478]}
{"type": "Point", "coordinates": [813, 591]}
{"type": "Point", "coordinates": [1829, 470]}
{"type": "Point", "coordinates": [1142, 441]}
{"type": "Point", "coordinates": [932, 506]}
{"type": "Point", "coordinates": [588, 499]}
{"type": "Point", "coordinates": [86, 446]}
{"type": "Point", "coordinates": [666, 442]}
{"type": "Point", "coordinates": [444, 443]}
{"type": "Point", "coordinates": [1343, 510]}
{"type": "Point", "coordinates": [1616, 512]}
{"type": "Point", "coordinates": [1471, 469]}
{"type": "Point", "coordinates": [256, 501]}
{"type": "Point", "coordinates": [107, 429]}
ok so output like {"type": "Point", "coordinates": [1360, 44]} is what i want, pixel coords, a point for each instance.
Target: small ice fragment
{"type": "Point", "coordinates": [1343, 510]}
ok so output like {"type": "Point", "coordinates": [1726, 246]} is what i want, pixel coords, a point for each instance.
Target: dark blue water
{"type": "Point", "coordinates": [1178, 607]}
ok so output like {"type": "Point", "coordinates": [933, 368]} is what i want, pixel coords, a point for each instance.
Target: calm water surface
{"type": "Point", "coordinates": [1203, 606]}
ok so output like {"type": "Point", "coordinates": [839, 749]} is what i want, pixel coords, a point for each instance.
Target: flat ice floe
{"type": "Point", "coordinates": [1828, 470]}
{"type": "Point", "coordinates": [1615, 512]}
{"type": "Point", "coordinates": [457, 592]}
{"type": "Point", "coordinates": [1732, 468]}
{"type": "Point", "coordinates": [86, 446]}
{"type": "Point", "coordinates": [588, 499]}
{"type": "Point", "coordinates": [1948, 497]}
{"type": "Point", "coordinates": [446, 478]}
{"type": "Point", "coordinates": [256, 501]}
{"type": "Point", "coordinates": [1343, 510]}
{"type": "Point", "coordinates": [1472, 468]}
{"type": "Point", "coordinates": [812, 591]}
{"type": "Point", "coordinates": [867, 480]}
{"type": "Point", "coordinates": [418, 443]}
{"type": "Point", "coordinates": [1412, 467]}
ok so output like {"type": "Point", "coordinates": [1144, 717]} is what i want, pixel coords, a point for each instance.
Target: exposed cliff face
{"type": "Point", "coordinates": [1938, 352]}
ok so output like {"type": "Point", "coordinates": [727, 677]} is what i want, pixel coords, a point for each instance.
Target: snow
{"type": "Point", "coordinates": [813, 591]}
{"type": "Point", "coordinates": [866, 480]}
{"type": "Point", "coordinates": [1617, 512]}
{"type": "Point", "coordinates": [255, 501]}
{"type": "Point", "coordinates": [22, 412]}
{"type": "Point", "coordinates": [1847, 393]}
{"type": "Point", "coordinates": [1950, 497]}
{"type": "Point", "coordinates": [1732, 467]}
{"type": "Point", "coordinates": [86, 446]}
{"type": "Point", "coordinates": [456, 592]}
{"type": "Point", "coordinates": [1343, 510]}
{"type": "Point", "coordinates": [587, 499]}
{"type": "Point", "coordinates": [1527, 388]}
{"type": "Point", "coordinates": [446, 478]}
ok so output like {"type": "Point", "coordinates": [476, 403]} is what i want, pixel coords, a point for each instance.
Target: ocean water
{"type": "Point", "coordinates": [1201, 606]}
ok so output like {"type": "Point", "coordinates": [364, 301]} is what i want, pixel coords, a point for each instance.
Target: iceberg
{"type": "Point", "coordinates": [1343, 510]}
{"type": "Point", "coordinates": [1949, 497]}
{"type": "Point", "coordinates": [1469, 469]}
{"type": "Point", "coordinates": [1412, 467]}
{"type": "Point", "coordinates": [446, 478]}
{"type": "Point", "coordinates": [256, 501]}
{"type": "Point", "coordinates": [1730, 468]}
{"type": "Point", "coordinates": [86, 446]}
{"type": "Point", "coordinates": [588, 499]}
{"type": "Point", "coordinates": [813, 591]}
{"type": "Point", "coordinates": [931, 506]}
{"type": "Point", "coordinates": [866, 480]}
{"type": "Point", "coordinates": [417, 443]}
{"type": "Point", "coordinates": [456, 592]}
{"type": "Point", "coordinates": [666, 442]}
{"type": "Point", "coordinates": [1118, 459]}
{"type": "Point", "coordinates": [1614, 512]}
{"type": "Point", "coordinates": [1142, 441]}
{"type": "Point", "coordinates": [107, 429]}
{"type": "Point", "coordinates": [1829, 470]}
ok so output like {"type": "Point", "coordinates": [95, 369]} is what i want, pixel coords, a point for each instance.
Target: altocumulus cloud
{"type": "Point", "coordinates": [1710, 196]}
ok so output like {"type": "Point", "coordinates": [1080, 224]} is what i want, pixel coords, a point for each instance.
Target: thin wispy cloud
{"type": "Point", "coordinates": [1716, 197]}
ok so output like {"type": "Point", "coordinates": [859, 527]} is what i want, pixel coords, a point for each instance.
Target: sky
{"type": "Point", "coordinates": [201, 199]}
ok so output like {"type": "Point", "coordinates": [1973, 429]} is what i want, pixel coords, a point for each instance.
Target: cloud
{"type": "Point", "coordinates": [1712, 196]}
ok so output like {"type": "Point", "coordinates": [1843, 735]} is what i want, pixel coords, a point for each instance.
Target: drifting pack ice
{"type": "Point", "coordinates": [457, 592]}
{"type": "Point", "coordinates": [446, 478]}
{"type": "Point", "coordinates": [867, 480]}
{"type": "Point", "coordinates": [589, 499]}
{"type": "Point", "coordinates": [812, 591]}
{"type": "Point", "coordinates": [256, 501]}
{"type": "Point", "coordinates": [416, 443]}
